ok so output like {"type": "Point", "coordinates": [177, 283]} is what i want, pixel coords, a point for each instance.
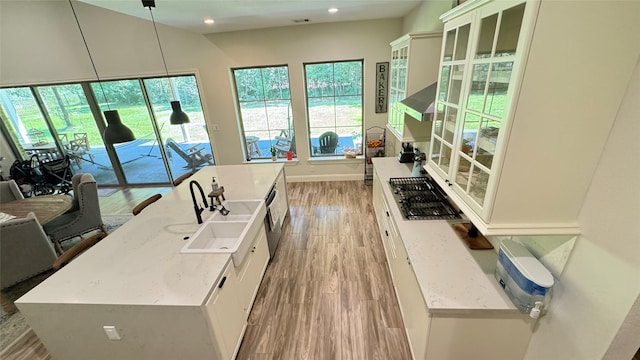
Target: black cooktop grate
{"type": "Point", "coordinates": [420, 198]}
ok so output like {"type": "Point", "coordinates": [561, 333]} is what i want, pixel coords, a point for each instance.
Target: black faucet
{"type": "Point", "coordinates": [197, 208]}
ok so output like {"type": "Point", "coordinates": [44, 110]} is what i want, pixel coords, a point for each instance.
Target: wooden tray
{"type": "Point", "coordinates": [476, 243]}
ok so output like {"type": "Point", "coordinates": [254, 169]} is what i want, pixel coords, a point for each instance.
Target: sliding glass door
{"type": "Point", "coordinates": [186, 146]}
{"type": "Point", "coordinates": [59, 120]}
{"type": "Point", "coordinates": [78, 135]}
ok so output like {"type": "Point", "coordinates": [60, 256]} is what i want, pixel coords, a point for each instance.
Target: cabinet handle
{"type": "Point", "coordinates": [446, 181]}
{"type": "Point", "coordinates": [386, 233]}
{"type": "Point", "coordinates": [387, 213]}
{"type": "Point", "coordinates": [222, 282]}
{"type": "Point", "coordinates": [254, 249]}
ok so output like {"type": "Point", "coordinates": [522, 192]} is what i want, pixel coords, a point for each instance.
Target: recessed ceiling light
{"type": "Point", "coordinates": [333, 10]}
{"type": "Point", "coordinates": [208, 21]}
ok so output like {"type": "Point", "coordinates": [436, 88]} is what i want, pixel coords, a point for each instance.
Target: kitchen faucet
{"type": "Point", "coordinates": [197, 208]}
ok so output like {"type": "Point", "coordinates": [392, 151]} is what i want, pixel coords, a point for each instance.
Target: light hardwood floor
{"type": "Point", "coordinates": [327, 294]}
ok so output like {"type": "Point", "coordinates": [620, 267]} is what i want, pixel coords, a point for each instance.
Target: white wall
{"type": "Point", "coordinates": [50, 50]}
{"type": "Point", "coordinates": [311, 43]}
{"type": "Point", "coordinates": [601, 280]}
{"type": "Point", "coordinates": [426, 16]}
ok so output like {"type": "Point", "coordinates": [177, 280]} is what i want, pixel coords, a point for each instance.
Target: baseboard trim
{"type": "Point", "coordinates": [327, 177]}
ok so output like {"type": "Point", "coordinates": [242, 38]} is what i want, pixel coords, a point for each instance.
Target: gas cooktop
{"type": "Point", "coordinates": [420, 198]}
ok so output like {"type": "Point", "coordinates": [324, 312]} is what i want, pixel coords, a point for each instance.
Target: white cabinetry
{"type": "Point", "coordinates": [435, 334]}
{"type": "Point", "coordinates": [412, 306]}
{"type": "Point", "coordinates": [521, 116]}
{"type": "Point", "coordinates": [250, 272]}
{"type": "Point", "coordinates": [411, 71]}
{"type": "Point", "coordinates": [225, 313]}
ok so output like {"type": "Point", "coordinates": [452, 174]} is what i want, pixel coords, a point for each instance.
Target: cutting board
{"type": "Point", "coordinates": [474, 243]}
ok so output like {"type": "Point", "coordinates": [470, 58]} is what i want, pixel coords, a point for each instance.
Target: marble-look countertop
{"type": "Point", "coordinates": [140, 263]}
{"type": "Point", "coordinates": [453, 278]}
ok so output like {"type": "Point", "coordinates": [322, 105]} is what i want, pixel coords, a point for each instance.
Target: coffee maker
{"type": "Point", "coordinates": [406, 155]}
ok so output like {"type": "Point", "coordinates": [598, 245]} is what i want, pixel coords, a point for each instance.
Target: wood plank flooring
{"type": "Point", "coordinates": [327, 294]}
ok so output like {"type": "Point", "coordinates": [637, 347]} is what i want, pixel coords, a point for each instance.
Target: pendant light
{"type": "Point", "coordinates": [177, 116]}
{"type": "Point", "coordinates": [116, 131]}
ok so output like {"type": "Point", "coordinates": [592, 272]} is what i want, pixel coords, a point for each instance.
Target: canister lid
{"type": "Point", "coordinates": [527, 264]}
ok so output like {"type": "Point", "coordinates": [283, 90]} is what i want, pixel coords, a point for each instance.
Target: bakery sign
{"type": "Point", "coordinates": [382, 84]}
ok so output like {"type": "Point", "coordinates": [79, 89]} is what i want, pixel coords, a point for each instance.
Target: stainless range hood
{"type": "Point", "coordinates": [421, 104]}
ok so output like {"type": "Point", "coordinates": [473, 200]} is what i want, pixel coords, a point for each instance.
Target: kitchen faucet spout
{"type": "Point", "coordinates": [196, 207]}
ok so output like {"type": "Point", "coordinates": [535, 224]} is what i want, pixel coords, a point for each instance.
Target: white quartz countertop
{"type": "Point", "coordinates": [140, 263]}
{"type": "Point", "coordinates": [453, 278]}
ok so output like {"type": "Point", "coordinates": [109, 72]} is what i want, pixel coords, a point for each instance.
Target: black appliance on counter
{"type": "Point", "coordinates": [420, 198]}
{"type": "Point", "coordinates": [406, 155]}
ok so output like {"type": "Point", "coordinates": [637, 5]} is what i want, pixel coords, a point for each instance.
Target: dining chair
{"type": "Point", "coordinates": [84, 215]}
{"type": "Point", "coordinates": [146, 202]}
{"type": "Point", "coordinates": [9, 191]}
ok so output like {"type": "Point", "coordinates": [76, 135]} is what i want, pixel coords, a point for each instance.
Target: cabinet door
{"type": "Point", "coordinates": [486, 102]}
{"type": "Point", "coordinates": [383, 216]}
{"type": "Point", "coordinates": [225, 313]}
{"type": "Point", "coordinates": [479, 57]}
{"type": "Point", "coordinates": [449, 95]}
{"type": "Point", "coordinates": [251, 270]}
{"type": "Point", "coordinates": [398, 85]}
{"type": "Point", "coordinates": [412, 305]}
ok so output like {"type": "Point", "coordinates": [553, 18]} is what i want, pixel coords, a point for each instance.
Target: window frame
{"type": "Point", "coordinates": [313, 151]}
{"type": "Point", "coordinates": [264, 100]}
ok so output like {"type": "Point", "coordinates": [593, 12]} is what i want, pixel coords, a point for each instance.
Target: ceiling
{"type": "Point", "coordinates": [234, 15]}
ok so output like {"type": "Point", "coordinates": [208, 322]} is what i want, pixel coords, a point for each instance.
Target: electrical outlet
{"type": "Point", "coordinates": [111, 332]}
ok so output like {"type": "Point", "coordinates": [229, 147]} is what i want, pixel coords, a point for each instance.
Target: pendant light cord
{"type": "Point", "coordinates": [162, 54]}
{"type": "Point", "coordinates": [89, 52]}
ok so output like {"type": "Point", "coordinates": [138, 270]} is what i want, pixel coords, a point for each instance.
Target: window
{"type": "Point", "coordinates": [55, 120]}
{"type": "Point", "coordinates": [264, 99]}
{"type": "Point", "coordinates": [334, 106]}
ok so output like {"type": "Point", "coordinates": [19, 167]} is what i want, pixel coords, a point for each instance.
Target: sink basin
{"type": "Point", "coordinates": [217, 237]}
{"type": "Point", "coordinates": [230, 234]}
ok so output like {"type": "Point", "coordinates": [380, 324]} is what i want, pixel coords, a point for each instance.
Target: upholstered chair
{"type": "Point", "coordinates": [25, 250]}
{"type": "Point", "coordinates": [9, 191]}
{"type": "Point", "coordinates": [84, 215]}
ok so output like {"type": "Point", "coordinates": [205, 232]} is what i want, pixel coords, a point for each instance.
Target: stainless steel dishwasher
{"type": "Point", "coordinates": [272, 226]}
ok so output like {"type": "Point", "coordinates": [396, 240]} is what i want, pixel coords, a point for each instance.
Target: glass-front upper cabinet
{"type": "Point", "coordinates": [398, 84]}
{"type": "Point", "coordinates": [476, 69]}
{"type": "Point", "coordinates": [484, 113]}
{"type": "Point", "coordinates": [512, 97]}
{"type": "Point", "coordinates": [452, 70]}
{"type": "Point", "coordinates": [413, 67]}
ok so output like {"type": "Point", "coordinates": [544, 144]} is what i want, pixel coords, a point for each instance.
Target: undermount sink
{"type": "Point", "coordinates": [230, 234]}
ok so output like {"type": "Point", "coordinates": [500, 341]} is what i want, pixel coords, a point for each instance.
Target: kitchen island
{"type": "Point", "coordinates": [135, 296]}
{"type": "Point", "coordinates": [452, 306]}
